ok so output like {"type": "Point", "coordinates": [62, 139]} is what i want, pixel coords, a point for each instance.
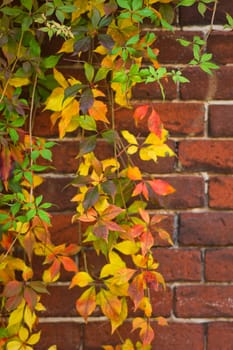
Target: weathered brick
{"type": "Point", "coordinates": [179, 264]}
{"type": "Point", "coordinates": [67, 335]}
{"type": "Point", "coordinates": [210, 229]}
{"type": "Point", "coordinates": [42, 126]}
{"type": "Point", "coordinates": [179, 118]}
{"type": "Point", "coordinates": [219, 265]}
{"type": "Point", "coordinates": [207, 87]}
{"type": "Point", "coordinates": [220, 44]}
{"type": "Point", "coordinates": [63, 230]}
{"type": "Point", "coordinates": [221, 192]}
{"type": "Point", "coordinates": [152, 91]}
{"type": "Point", "coordinates": [189, 192]}
{"type": "Point", "coordinates": [191, 16]}
{"type": "Point", "coordinates": [206, 155]}
{"type": "Point", "coordinates": [204, 301]}
{"type": "Point", "coordinates": [170, 50]}
{"type": "Point", "coordinates": [220, 336]}
{"type": "Point", "coordinates": [221, 120]}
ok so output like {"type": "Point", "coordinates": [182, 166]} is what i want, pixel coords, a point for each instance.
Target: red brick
{"type": "Point", "coordinates": [179, 264]}
{"type": "Point", "coordinates": [42, 126]}
{"type": "Point", "coordinates": [221, 121]}
{"type": "Point", "coordinates": [57, 191]}
{"type": "Point", "coordinates": [210, 229]}
{"type": "Point", "coordinates": [204, 301]}
{"type": "Point", "coordinates": [174, 336]}
{"type": "Point", "coordinates": [67, 335]}
{"type": "Point", "coordinates": [179, 118]}
{"type": "Point", "coordinates": [208, 87]}
{"type": "Point", "coordinates": [220, 336]}
{"type": "Point", "coordinates": [206, 155]}
{"type": "Point", "coordinates": [219, 265]}
{"type": "Point", "coordinates": [220, 44]}
{"type": "Point", "coordinates": [189, 192]}
{"type": "Point", "coordinates": [191, 16]}
{"type": "Point", "coordinates": [221, 192]}
{"type": "Point", "coordinates": [170, 50]}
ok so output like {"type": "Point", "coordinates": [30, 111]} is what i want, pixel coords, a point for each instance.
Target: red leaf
{"type": "Point", "coordinates": [154, 123]}
{"type": "Point", "coordinates": [161, 187]}
{"type": "Point", "coordinates": [141, 188]}
{"type": "Point", "coordinates": [136, 290]}
{"type": "Point", "coordinates": [31, 297]}
{"type": "Point", "coordinates": [12, 288]}
{"type": "Point", "coordinates": [86, 304]}
{"type": "Point", "coordinates": [140, 113]}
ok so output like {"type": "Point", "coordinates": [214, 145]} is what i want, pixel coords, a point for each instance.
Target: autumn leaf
{"type": "Point", "coordinates": [140, 113]}
{"type": "Point", "coordinates": [136, 290]}
{"type": "Point", "coordinates": [99, 111]}
{"type": "Point", "coordinates": [161, 187]}
{"type": "Point", "coordinates": [154, 123]}
{"type": "Point", "coordinates": [134, 173]}
{"type": "Point", "coordinates": [68, 263]}
{"type": "Point", "coordinates": [147, 241]}
{"type": "Point", "coordinates": [141, 188]}
{"type": "Point", "coordinates": [81, 279]}
{"type": "Point", "coordinates": [86, 304]}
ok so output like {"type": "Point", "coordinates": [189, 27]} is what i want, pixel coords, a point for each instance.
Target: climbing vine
{"type": "Point", "coordinates": [111, 53]}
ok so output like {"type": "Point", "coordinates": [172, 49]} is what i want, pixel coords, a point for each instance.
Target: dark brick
{"type": "Point", "coordinates": [206, 155]}
{"type": "Point", "coordinates": [208, 229]}
{"type": "Point", "coordinates": [179, 264]}
{"type": "Point", "coordinates": [204, 301]}
{"type": "Point", "coordinates": [219, 265]}
{"type": "Point", "coordinates": [221, 121]}
{"type": "Point", "coordinates": [221, 192]}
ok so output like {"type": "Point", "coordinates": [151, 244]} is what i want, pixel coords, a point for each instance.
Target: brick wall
{"type": "Point", "coordinates": [198, 301]}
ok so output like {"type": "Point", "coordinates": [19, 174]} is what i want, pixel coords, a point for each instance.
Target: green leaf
{"type": "Point", "coordinates": [46, 154]}
{"type": "Point", "coordinates": [44, 216]}
{"type": "Point", "coordinates": [110, 136]}
{"type": "Point", "coordinates": [50, 61]}
{"type": "Point", "coordinates": [72, 90]}
{"type": "Point", "coordinates": [124, 4]}
{"type": "Point", "coordinates": [87, 122]}
{"type": "Point", "coordinates": [229, 20]}
{"type": "Point", "coordinates": [91, 198]}
{"type": "Point", "coordinates": [201, 8]}
{"type": "Point", "coordinates": [89, 71]}
{"type": "Point", "coordinates": [101, 74]}
{"type": "Point", "coordinates": [186, 2]}
{"type": "Point", "coordinates": [133, 40]}
{"type": "Point", "coordinates": [13, 135]}
{"type": "Point", "coordinates": [27, 4]}
{"type": "Point", "coordinates": [137, 5]}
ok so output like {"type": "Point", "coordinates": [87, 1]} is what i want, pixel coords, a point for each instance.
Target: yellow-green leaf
{"type": "Point", "coordinates": [130, 138]}
{"type": "Point", "coordinates": [17, 82]}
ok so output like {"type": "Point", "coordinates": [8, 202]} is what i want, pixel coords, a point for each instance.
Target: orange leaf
{"type": "Point", "coordinates": [134, 173]}
{"type": "Point", "coordinates": [161, 187]}
{"type": "Point", "coordinates": [140, 112]}
{"type": "Point", "coordinates": [68, 264]}
{"type": "Point", "coordinates": [99, 111]}
{"type": "Point", "coordinates": [86, 304]}
{"type": "Point", "coordinates": [161, 321]}
{"type": "Point", "coordinates": [147, 241]}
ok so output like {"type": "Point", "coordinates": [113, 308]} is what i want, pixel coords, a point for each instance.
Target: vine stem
{"type": "Point", "coordinates": [30, 128]}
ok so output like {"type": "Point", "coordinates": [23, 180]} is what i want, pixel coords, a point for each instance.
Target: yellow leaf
{"type": "Point", "coordinates": [34, 338]}
{"type": "Point", "coordinates": [127, 247]}
{"type": "Point", "coordinates": [130, 138]}
{"type": "Point", "coordinates": [121, 97]}
{"type": "Point", "coordinates": [14, 345]}
{"type": "Point", "coordinates": [132, 149]}
{"type": "Point", "coordinates": [161, 321]}
{"type": "Point", "coordinates": [148, 153]}
{"type": "Point", "coordinates": [23, 333]}
{"type": "Point", "coordinates": [17, 82]}
{"type": "Point", "coordinates": [53, 347]}
{"type": "Point", "coordinates": [55, 100]}
{"type": "Point", "coordinates": [99, 111]}
{"type": "Point", "coordinates": [81, 279]}
{"type": "Point", "coordinates": [67, 46]}
{"type": "Point", "coordinates": [60, 78]}
{"type": "Point", "coordinates": [29, 317]}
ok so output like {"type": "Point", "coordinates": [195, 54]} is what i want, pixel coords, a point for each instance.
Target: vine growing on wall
{"type": "Point", "coordinates": [111, 53]}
